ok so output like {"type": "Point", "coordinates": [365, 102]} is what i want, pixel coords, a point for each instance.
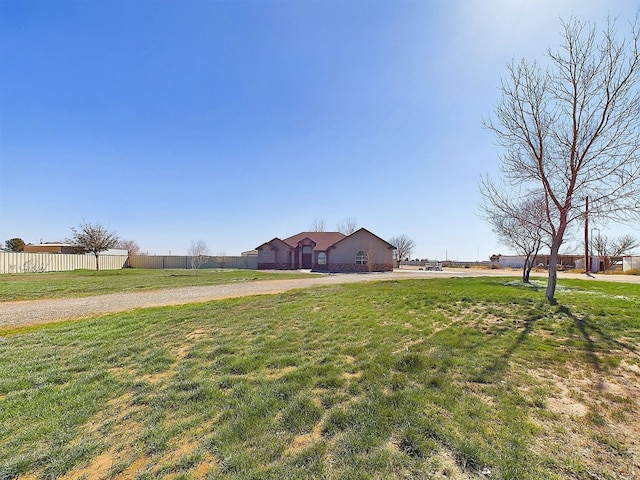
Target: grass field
{"type": "Point", "coordinates": [79, 283]}
{"type": "Point", "coordinates": [456, 378]}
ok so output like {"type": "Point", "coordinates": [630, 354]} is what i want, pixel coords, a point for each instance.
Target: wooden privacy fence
{"type": "Point", "coordinates": [21, 262]}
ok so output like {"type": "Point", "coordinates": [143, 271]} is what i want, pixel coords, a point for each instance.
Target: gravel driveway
{"type": "Point", "coordinates": [52, 310]}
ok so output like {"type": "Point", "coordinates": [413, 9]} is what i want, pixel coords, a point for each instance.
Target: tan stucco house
{"type": "Point", "coordinates": [362, 251]}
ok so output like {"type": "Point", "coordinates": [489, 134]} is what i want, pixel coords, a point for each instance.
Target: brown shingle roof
{"type": "Point", "coordinates": [323, 240]}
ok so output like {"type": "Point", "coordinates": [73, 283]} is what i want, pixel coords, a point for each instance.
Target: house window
{"type": "Point", "coordinates": [362, 258]}
{"type": "Point", "coordinates": [322, 258]}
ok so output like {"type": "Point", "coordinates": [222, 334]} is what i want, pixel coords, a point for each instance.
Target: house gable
{"type": "Point", "coordinates": [322, 240]}
{"type": "Point", "coordinates": [361, 251]}
{"type": "Point", "coordinates": [274, 255]}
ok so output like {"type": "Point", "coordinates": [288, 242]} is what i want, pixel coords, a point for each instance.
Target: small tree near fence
{"type": "Point", "coordinates": [198, 253]}
{"type": "Point", "coordinates": [131, 246]}
{"type": "Point", "coordinates": [14, 245]}
{"type": "Point", "coordinates": [94, 239]}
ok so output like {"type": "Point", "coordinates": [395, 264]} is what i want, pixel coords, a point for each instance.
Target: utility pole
{"type": "Point", "coordinates": [586, 235]}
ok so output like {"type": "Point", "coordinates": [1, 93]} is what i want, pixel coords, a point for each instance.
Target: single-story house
{"type": "Point", "coordinates": [362, 251]}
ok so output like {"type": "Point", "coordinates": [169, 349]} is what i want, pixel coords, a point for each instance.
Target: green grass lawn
{"type": "Point", "coordinates": [455, 378]}
{"type": "Point", "coordinates": [79, 283]}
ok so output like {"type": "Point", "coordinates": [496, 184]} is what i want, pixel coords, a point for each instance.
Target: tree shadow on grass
{"type": "Point", "coordinates": [499, 364]}
{"type": "Point", "coordinates": [590, 347]}
{"type": "Point", "coordinates": [591, 334]}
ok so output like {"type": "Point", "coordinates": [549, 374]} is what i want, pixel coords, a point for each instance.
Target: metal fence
{"type": "Point", "coordinates": [21, 262]}
{"type": "Point", "coordinates": [630, 263]}
{"type": "Point", "coordinates": [179, 261]}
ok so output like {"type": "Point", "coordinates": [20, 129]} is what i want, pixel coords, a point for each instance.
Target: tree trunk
{"type": "Point", "coordinates": [528, 273]}
{"type": "Point", "coordinates": [525, 271]}
{"type": "Point", "coordinates": [97, 264]}
{"type": "Point", "coordinates": [553, 273]}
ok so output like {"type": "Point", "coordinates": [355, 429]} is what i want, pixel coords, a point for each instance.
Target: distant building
{"type": "Point", "coordinates": [50, 248]}
{"type": "Point", "coordinates": [67, 248]}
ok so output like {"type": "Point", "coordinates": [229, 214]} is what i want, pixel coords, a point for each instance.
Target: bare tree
{"type": "Point", "coordinates": [404, 246]}
{"type": "Point", "coordinates": [521, 227]}
{"type": "Point", "coordinates": [222, 258]}
{"type": "Point", "coordinates": [198, 253]}
{"type": "Point", "coordinates": [319, 225]}
{"type": "Point", "coordinates": [572, 130]}
{"type": "Point", "coordinates": [348, 225]}
{"type": "Point", "coordinates": [93, 238]}
{"type": "Point", "coordinates": [623, 245]}
{"type": "Point", "coordinates": [131, 246]}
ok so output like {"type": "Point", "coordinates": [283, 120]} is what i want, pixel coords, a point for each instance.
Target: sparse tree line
{"type": "Point", "coordinates": [90, 238]}
{"type": "Point", "coordinates": [94, 238]}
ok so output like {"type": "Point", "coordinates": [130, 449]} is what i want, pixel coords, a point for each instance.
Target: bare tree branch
{"type": "Point", "coordinates": [348, 225]}
{"type": "Point", "coordinates": [198, 253]}
{"type": "Point", "coordinates": [319, 225]}
{"type": "Point", "coordinates": [572, 130]}
{"type": "Point", "coordinates": [404, 246]}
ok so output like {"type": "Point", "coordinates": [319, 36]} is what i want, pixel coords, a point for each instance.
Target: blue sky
{"type": "Point", "coordinates": [234, 122]}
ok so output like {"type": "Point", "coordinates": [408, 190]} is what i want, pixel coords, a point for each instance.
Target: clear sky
{"type": "Point", "coordinates": [234, 122]}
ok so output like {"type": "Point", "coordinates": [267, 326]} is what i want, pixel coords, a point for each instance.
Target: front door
{"type": "Point", "coordinates": [307, 257]}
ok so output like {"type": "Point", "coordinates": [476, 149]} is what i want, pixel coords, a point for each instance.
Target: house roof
{"type": "Point", "coordinates": [392, 247]}
{"type": "Point", "coordinates": [323, 240]}
{"type": "Point", "coordinates": [271, 243]}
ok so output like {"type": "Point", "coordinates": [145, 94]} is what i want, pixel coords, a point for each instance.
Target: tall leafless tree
{"type": "Point", "coordinates": [572, 130]}
{"type": "Point", "coordinates": [521, 227]}
{"type": "Point", "coordinates": [404, 246]}
{"type": "Point", "coordinates": [93, 238]}
{"type": "Point", "coordinates": [348, 225]}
